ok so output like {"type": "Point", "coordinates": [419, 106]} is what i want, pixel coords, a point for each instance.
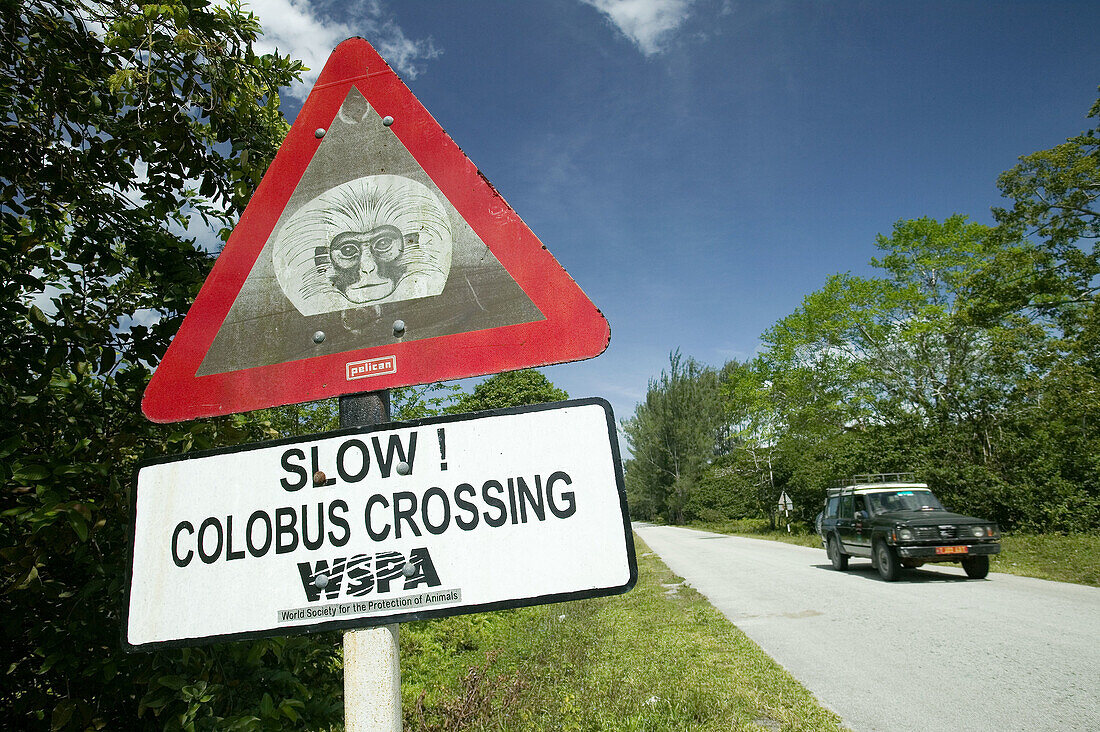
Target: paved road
{"type": "Point", "coordinates": [933, 651]}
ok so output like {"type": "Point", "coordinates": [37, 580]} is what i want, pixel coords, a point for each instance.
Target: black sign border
{"type": "Point", "coordinates": [381, 620]}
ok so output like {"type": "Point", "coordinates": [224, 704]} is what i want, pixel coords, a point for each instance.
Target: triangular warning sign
{"type": "Point", "coordinates": [373, 255]}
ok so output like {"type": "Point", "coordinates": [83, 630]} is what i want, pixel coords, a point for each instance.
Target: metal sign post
{"type": "Point", "coordinates": [372, 657]}
{"type": "Point", "coordinates": [372, 680]}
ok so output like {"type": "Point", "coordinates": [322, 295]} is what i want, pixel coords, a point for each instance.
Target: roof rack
{"type": "Point", "coordinates": [872, 478]}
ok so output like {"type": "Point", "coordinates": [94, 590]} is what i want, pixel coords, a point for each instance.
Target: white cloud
{"type": "Point", "coordinates": [308, 31]}
{"type": "Point", "coordinates": [647, 23]}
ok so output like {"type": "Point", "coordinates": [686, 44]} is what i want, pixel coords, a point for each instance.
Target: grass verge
{"type": "Point", "coordinates": [658, 658]}
{"type": "Point", "coordinates": [1059, 557]}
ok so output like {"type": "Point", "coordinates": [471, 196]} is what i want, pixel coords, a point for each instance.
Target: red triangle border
{"type": "Point", "coordinates": [573, 329]}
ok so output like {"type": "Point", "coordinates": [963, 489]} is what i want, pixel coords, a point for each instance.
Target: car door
{"type": "Point", "coordinates": [845, 524]}
{"type": "Point", "coordinates": [861, 526]}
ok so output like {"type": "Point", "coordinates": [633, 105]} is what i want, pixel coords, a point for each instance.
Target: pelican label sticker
{"type": "Point", "coordinates": [371, 367]}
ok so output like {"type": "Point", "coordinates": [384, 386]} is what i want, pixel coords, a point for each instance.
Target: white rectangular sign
{"type": "Point", "coordinates": [374, 525]}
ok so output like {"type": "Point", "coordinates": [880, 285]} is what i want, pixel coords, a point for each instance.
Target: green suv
{"type": "Point", "coordinates": [900, 523]}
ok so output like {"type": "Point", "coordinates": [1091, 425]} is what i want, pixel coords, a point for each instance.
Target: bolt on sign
{"type": "Point", "coordinates": [376, 525]}
{"type": "Point", "coordinates": [374, 254]}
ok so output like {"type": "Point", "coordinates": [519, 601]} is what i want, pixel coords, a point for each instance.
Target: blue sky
{"type": "Point", "coordinates": [700, 166]}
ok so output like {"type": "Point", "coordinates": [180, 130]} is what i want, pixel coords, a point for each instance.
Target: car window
{"type": "Point", "coordinates": [831, 507]}
{"type": "Point", "coordinates": [907, 500]}
{"type": "Point", "coordinates": [846, 506]}
{"type": "Point", "coordinates": [919, 501]}
{"type": "Point", "coordinates": [881, 502]}
{"type": "Point", "coordinates": [861, 504]}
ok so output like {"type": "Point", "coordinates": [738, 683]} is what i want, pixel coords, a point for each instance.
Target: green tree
{"type": "Point", "coordinates": [732, 486]}
{"type": "Point", "coordinates": [125, 127]}
{"type": "Point", "coordinates": [295, 420]}
{"type": "Point", "coordinates": [672, 435]}
{"type": "Point", "coordinates": [408, 402]}
{"type": "Point", "coordinates": [1055, 202]}
{"type": "Point", "coordinates": [746, 471]}
{"type": "Point", "coordinates": [508, 389]}
{"type": "Point", "coordinates": [417, 402]}
{"type": "Point", "coordinates": [871, 350]}
{"type": "Point", "coordinates": [894, 373]}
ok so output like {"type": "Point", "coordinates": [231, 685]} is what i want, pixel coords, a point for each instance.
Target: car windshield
{"type": "Point", "coordinates": [907, 500]}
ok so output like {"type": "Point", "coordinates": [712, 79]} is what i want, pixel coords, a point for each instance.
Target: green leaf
{"type": "Point", "coordinates": [289, 711]}
{"type": "Point", "coordinates": [28, 578]}
{"type": "Point", "coordinates": [31, 473]}
{"type": "Point", "coordinates": [38, 316]}
{"type": "Point", "coordinates": [62, 713]}
{"type": "Point", "coordinates": [10, 445]}
{"type": "Point", "coordinates": [80, 526]}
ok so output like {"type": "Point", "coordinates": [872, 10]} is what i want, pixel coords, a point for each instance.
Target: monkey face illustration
{"type": "Point", "coordinates": [372, 240]}
{"type": "Point", "coordinates": [365, 265]}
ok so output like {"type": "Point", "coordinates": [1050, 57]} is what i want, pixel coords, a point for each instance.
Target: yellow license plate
{"type": "Point", "coordinates": [951, 549]}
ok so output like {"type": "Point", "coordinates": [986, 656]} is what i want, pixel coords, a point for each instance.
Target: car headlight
{"type": "Point", "coordinates": [904, 534]}
{"type": "Point", "coordinates": [980, 530]}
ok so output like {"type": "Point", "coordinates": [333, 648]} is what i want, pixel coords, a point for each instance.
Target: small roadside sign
{"type": "Point", "coordinates": [786, 505]}
{"type": "Point", "coordinates": [377, 525]}
{"type": "Point", "coordinates": [373, 255]}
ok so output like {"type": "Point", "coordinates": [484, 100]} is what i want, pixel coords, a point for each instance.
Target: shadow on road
{"type": "Point", "coordinates": [910, 576]}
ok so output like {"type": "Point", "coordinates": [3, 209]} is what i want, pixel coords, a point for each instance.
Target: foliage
{"type": "Point", "coordinates": [1055, 201]}
{"type": "Point", "coordinates": [417, 402]}
{"type": "Point", "coordinates": [730, 486]}
{"type": "Point", "coordinates": [672, 436]}
{"type": "Point", "coordinates": [125, 127]}
{"type": "Point", "coordinates": [294, 420]}
{"type": "Point", "coordinates": [406, 403]}
{"type": "Point", "coordinates": [745, 472]}
{"type": "Point", "coordinates": [895, 373]}
{"type": "Point", "coordinates": [509, 389]}
{"type": "Point", "coordinates": [872, 350]}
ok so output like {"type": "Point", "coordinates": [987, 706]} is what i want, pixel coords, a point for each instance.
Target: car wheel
{"type": "Point", "coordinates": [837, 557]}
{"type": "Point", "coordinates": [887, 562]}
{"type": "Point", "coordinates": [976, 567]}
